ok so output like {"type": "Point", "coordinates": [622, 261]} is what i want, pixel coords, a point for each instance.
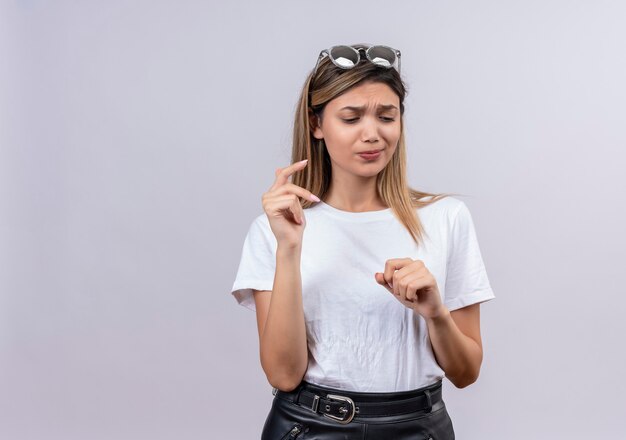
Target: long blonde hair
{"type": "Point", "coordinates": [326, 84]}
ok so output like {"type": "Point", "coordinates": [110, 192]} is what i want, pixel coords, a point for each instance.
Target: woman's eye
{"type": "Point", "coordinates": [350, 121]}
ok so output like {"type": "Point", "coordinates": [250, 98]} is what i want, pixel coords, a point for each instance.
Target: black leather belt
{"type": "Point", "coordinates": [344, 406]}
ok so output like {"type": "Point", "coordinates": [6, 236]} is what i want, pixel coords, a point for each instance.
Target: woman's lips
{"type": "Point", "coordinates": [371, 156]}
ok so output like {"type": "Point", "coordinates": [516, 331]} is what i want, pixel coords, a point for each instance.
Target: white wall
{"type": "Point", "coordinates": [136, 139]}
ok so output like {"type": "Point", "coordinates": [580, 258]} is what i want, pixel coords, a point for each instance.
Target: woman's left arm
{"type": "Point", "coordinates": [455, 338]}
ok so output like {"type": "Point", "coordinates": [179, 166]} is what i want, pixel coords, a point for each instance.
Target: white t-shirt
{"type": "Point", "coordinates": [359, 336]}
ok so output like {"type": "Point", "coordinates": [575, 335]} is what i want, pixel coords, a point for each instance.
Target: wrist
{"type": "Point", "coordinates": [289, 249]}
{"type": "Point", "coordinates": [439, 316]}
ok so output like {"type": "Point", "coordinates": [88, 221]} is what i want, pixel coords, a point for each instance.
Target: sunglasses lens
{"type": "Point", "coordinates": [382, 56]}
{"type": "Point", "coordinates": [344, 56]}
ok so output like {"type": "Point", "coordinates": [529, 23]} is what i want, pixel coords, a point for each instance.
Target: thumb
{"type": "Point", "coordinates": [380, 279]}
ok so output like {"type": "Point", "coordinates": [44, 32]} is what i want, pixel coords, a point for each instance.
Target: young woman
{"type": "Point", "coordinates": [366, 291]}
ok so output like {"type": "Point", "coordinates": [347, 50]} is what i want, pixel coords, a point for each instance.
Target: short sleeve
{"type": "Point", "coordinates": [257, 264]}
{"type": "Point", "coordinates": [466, 277]}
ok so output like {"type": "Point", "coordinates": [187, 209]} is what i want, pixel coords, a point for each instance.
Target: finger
{"type": "Point", "coordinates": [299, 212]}
{"type": "Point", "coordinates": [295, 189]}
{"type": "Point", "coordinates": [391, 266]}
{"type": "Point", "coordinates": [294, 208]}
{"type": "Point", "coordinates": [290, 192]}
{"type": "Point", "coordinates": [283, 175]}
{"type": "Point", "coordinates": [409, 266]}
{"type": "Point", "coordinates": [382, 282]}
{"type": "Point", "coordinates": [380, 279]}
{"type": "Point", "coordinates": [286, 206]}
{"type": "Point", "coordinates": [410, 284]}
{"type": "Point", "coordinates": [407, 273]}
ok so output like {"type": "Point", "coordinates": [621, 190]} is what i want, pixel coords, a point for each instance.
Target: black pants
{"type": "Point", "coordinates": [289, 420]}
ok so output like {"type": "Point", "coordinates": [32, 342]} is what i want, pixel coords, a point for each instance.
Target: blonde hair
{"type": "Point", "coordinates": [326, 84]}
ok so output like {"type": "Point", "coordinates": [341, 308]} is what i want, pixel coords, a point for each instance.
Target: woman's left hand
{"type": "Point", "coordinates": [413, 285]}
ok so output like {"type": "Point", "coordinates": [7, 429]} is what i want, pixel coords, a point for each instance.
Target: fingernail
{"type": "Point", "coordinates": [302, 161]}
{"type": "Point", "coordinates": [315, 198]}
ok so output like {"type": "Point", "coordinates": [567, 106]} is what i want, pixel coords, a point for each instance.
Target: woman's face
{"type": "Point", "coordinates": [373, 125]}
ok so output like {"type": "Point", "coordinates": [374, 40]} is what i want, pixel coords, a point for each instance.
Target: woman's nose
{"type": "Point", "coordinates": [370, 130]}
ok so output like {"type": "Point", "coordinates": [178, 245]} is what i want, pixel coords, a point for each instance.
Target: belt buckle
{"type": "Point", "coordinates": [342, 409]}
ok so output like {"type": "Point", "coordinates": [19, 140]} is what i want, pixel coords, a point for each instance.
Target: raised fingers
{"type": "Point", "coordinates": [290, 188]}
{"type": "Point", "coordinates": [282, 174]}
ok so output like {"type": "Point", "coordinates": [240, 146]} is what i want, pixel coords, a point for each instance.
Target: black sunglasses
{"type": "Point", "coordinates": [346, 57]}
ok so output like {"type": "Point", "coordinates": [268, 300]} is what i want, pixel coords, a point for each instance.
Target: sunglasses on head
{"type": "Point", "coordinates": [347, 57]}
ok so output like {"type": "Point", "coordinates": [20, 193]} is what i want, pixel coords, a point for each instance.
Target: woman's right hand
{"type": "Point", "coordinates": [282, 206]}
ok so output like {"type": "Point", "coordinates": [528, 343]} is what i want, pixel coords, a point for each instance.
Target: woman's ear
{"type": "Point", "coordinates": [315, 125]}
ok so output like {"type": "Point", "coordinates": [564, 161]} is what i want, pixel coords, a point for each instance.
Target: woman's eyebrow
{"type": "Point", "coordinates": [360, 108]}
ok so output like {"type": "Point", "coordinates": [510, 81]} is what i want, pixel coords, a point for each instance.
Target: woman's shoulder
{"type": "Point", "coordinates": [447, 205]}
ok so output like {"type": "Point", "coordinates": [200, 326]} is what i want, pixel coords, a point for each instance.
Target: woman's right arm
{"type": "Point", "coordinates": [280, 314]}
{"type": "Point", "coordinates": [280, 318]}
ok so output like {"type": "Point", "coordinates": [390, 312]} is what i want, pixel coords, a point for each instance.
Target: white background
{"type": "Point", "coordinates": [136, 139]}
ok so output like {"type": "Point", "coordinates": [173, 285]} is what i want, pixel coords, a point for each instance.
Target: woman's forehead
{"type": "Point", "coordinates": [360, 108]}
{"type": "Point", "coordinates": [370, 95]}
